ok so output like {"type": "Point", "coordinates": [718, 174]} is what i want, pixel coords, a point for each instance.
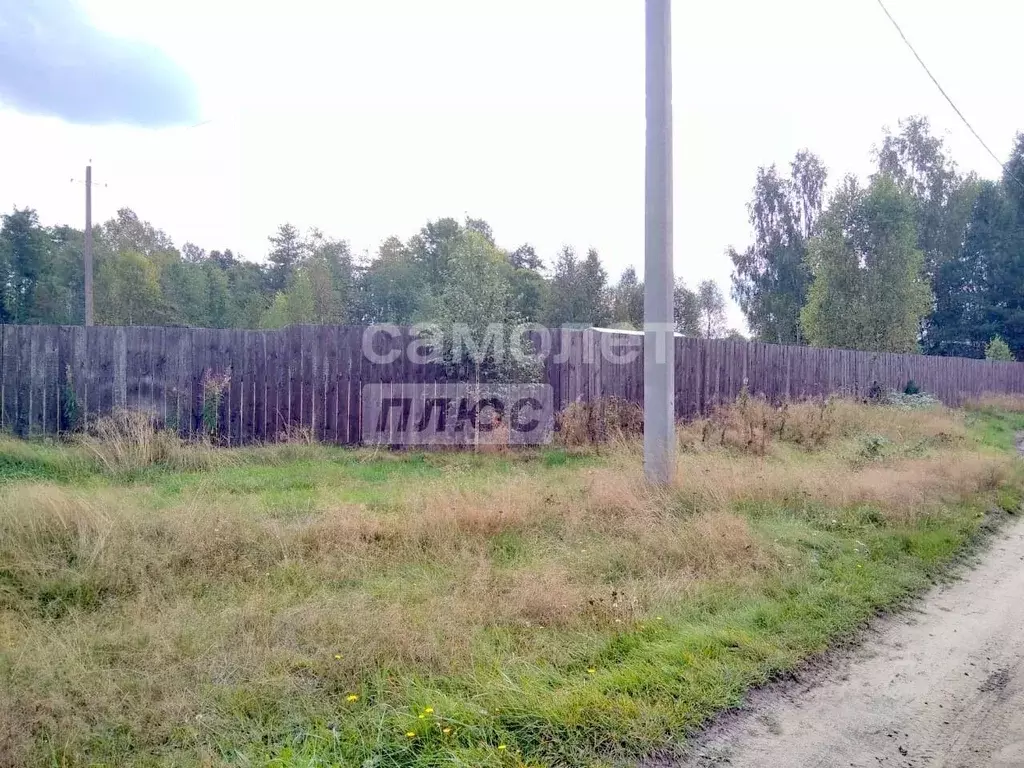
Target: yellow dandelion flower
{"type": "Point", "coordinates": [591, 670]}
{"type": "Point", "coordinates": [502, 746]}
{"type": "Point", "coordinates": [337, 655]}
{"type": "Point", "coordinates": [429, 710]}
{"type": "Point", "coordinates": [352, 697]}
{"type": "Point", "coordinates": [422, 717]}
{"type": "Point", "coordinates": [411, 734]}
{"type": "Point", "coordinates": [446, 731]}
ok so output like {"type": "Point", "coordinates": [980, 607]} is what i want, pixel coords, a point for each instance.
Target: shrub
{"type": "Point", "coordinates": [906, 400]}
{"type": "Point", "coordinates": [998, 349]}
{"type": "Point", "coordinates": [875, 446]}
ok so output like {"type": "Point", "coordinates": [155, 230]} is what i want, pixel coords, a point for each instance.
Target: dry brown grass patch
{"type": "Point", "coordinates": [998, 402]}
{"type": "Point", "coordinates": [608, 419]}
{"type": "Point", "coordinates": [716, 544]}
{"type": "Point", "coordinates": [901, 488]}
{"type": "Point", "coordinates": [752, 425]}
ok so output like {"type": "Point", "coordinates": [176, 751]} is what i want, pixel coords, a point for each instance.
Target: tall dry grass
{"type": "Point", "coordinates": [752, 424]}
{"type": "Point", "coordinates": [130, 440]}
{"type": "Point", "coordinates": [997, 402]}
{"type": "Point", "coordinates": [592, 422]}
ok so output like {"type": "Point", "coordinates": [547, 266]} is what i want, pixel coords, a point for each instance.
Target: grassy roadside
{"type": "Point", "coordinates": [303, 606]}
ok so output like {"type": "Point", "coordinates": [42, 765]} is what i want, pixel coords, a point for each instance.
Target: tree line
{"type": "Point", "coordinates": [450, 271]}
{"type": "Point", "coordinates": [921, 257]}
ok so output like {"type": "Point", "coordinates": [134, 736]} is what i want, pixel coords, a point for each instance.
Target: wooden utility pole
{"type": "Point", "coordinates": [659, 325]}
{"type": "Point", "coordinates": [87, 255]}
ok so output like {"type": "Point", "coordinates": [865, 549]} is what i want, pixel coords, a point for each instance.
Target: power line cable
{"type": "Point", "coordinates": [942, 90]}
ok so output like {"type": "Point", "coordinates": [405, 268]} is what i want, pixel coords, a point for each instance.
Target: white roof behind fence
{"type": "Point", "coordinates": [630, 333]}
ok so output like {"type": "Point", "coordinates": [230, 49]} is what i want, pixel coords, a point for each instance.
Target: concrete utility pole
{"type": "Point", "coordinates": [659, 337]}
{"type": "Point", "coordinates": [87, 255]}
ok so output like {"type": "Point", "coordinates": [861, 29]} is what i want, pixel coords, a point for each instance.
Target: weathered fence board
{"type": "Point", "coordinates": [309, 379]}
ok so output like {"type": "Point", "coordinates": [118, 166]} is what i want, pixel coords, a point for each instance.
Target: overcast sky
{"type": "Point", "coordinates": [368, 118]}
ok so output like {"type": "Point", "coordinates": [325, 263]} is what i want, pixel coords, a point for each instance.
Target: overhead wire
{"type": "Point", "coordinates": [1004, 166]}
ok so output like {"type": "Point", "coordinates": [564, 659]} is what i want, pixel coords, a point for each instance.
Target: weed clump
{"type": "Point", "coordinates": [128, 441]}
{"type": "Point", "coordinates": [752, 423]}
{"type": "Point", "coordinates": [606, 419]}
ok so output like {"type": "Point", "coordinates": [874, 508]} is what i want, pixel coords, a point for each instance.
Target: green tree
{"type": "Point", "coordinates": [128, 291]}
{"type": "Point", "coordinates": [287, 250]}
{"type": "Point", "coordinates": [594, 290]}
{"type": "Point", "coordinates": [301, 299]}
{"type": "Point", "coordinates": [481, 227]}
{"type": "Point", "coordinates": [967, 286]}
{"type": "Point", "coordinates": [294, 306]}
{"type": "Point", "coordinates": [710, 310]}
{"type": "Point", "coordinates": [332, 273]}
{"type": "Point", "coordinates": [917, 163]}
{"type": "Point", "coordinates": [432, 249]}
{"type": "Point", "coordinates": [578, 290]}
{"type": "Point", "coordinates": [220, 309]}
{"type": "Point", "coordinates": [685, 310]}
{"type": "Point", "coordinates": [477, 298]}
{"type": "Point", "coordinates": [562, 304]}
{"type": "Point", "coordinates": [998, 349]}
{"type": "Point", "coordinates": [391, 288]}
{"type": "Point", "coordinates": [247, 298]}
{"type": "Point", "coordinates": [627, 299]}
{"type": "Point", "coordinates": [277, 315]}
{"type": "Point", "coordinates": [1004, 301]}
{"type": "Point", "coordinates": [59, 295]}
{"type": "Point", "coordinates": [770, 278]}
{"type": "Point", "coordinates": [23, 258]}
{"type": "Point", "coordinates": [525, 257]}
{"type": "Point", "coordinates": [943, 201]}
{"type": "Point", "coordinates": [186, 289]}
{"type": "Point", "coordinates": [127, 232]}
{"type": "Point", "coordinates": [530, 288]}
{"type": "Point", "coordinates": [868, 291]}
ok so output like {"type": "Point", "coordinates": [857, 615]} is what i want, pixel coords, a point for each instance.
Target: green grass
{"type": "Point", "coordinates": [649, 686]}
{"type": "Point", "coordinates": [514, 609]}
{"type": "Point", "coordinates": [997, 429]}
{"type": "Point", "coordinates": [40, 461]}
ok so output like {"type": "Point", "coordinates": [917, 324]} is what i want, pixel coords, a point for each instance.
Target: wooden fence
{"type": "Point", "coordinates": [54, 378]}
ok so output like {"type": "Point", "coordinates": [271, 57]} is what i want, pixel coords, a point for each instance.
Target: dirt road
{"type": "Point", "coordinates": [940, 686]}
